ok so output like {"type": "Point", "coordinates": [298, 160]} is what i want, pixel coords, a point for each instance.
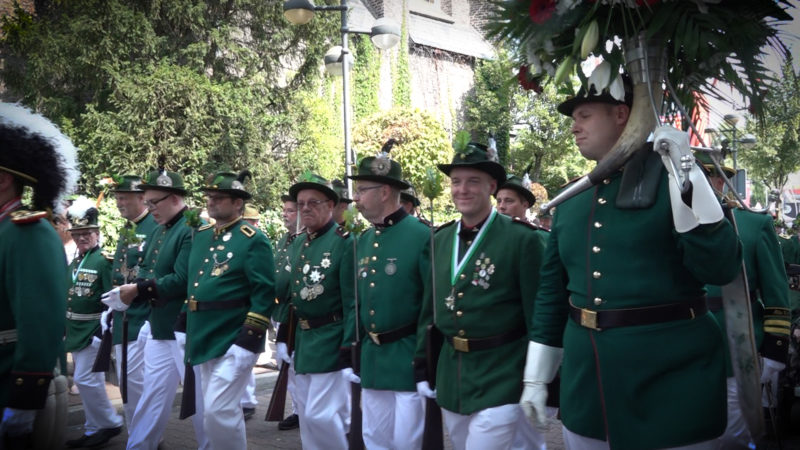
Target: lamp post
{"type": "Point", "coordinates": [384, 34]}
{"type": "Point", "coordinates": [728, 137]}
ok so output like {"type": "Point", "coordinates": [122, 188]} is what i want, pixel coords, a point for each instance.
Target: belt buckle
{"type": "Point", "coordinates": [375, 338]}
{"type": "Point", "coordinates": [192, 305]}
{"type": "Point", "coordinates": [589, 319]}
{"type": "Point", "coordinates": [461, 344]}
{"type": "Point", "coordinates": [304, 324]}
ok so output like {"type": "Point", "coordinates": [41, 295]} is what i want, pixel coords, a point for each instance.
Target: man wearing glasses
{"type": "Point", "coordinates": [89, 277]}
{"type": "Point", "coordinates": [322, 287]}
{"type": "Point", "coordinates": [393, 272]}
{"type": "Point", "coordinates": [162, 284]}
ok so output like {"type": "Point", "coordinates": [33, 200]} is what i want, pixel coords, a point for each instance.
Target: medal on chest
{"type": "Point", "coordinates": [220, 267]}
{"type": "Point", "coordinates": [313, 276]}
{"type": "Point", "coordinates": [390, 268]}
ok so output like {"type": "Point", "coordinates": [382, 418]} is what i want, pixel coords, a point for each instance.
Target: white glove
{"type": "Point", "coordinates": [705, 207]}
{"type": "Point", "coordinates": [180, 339]}
{"type": "Point", "coordinates": [540, 368]}
{"type": "Point", "coordinates": [350, 376]}
{"type": "Point", "coordinates": [770, 371]}
{"type": "Point", "coordinates": [283, 352]}
{"type": "Point", "coordinates": [244, 358]}
{"type": "Point", "coordinates": [424, 390]}
{"type": "Point", "coordinates": [17, 422]}
{"type": "Point", "coordinates": [113, 301]}
{"type": "Point", "coordinates": [106, 322]}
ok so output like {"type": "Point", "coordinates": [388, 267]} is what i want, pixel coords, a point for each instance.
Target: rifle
{"type": "Point", "coordinates": [355, 438]}
{"type": "Point", "coordinates": [277, 402]}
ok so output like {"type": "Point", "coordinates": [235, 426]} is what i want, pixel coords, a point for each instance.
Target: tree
{"type": "Point", "coordinates": [775, 154]}
{"type": "Point", "coordinates": [487, 106]}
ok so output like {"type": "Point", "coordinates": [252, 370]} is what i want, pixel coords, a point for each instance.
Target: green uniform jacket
{"type": "Point", "coordinates": [125, 269]}
{"type": "Point", "coordinates": [393, 277]}
{"type": "Point", "coordinates": [163, 274]}
{"type": "Point", "coordinates": [646, 386]}
{"type": "Point", "coordinates": [283, 274]}
{"type": "Point", "coordinates": [492, 296]}
{"type": "Point", "coordinates": [89, 277]}
{"type": "Point", "coordinates": [33, 295]}
{"type": "Point", "coordinates": [766, 278]}
{"type": "Point", "coordinates": [323, 285]}
{"type": "Point", "coordinates": [233, 265]}
{"type": "Point", "coordinates": [790, 248]}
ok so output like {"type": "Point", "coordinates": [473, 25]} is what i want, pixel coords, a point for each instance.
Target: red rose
{"type": "Point", "coordinates": [527, 81]}
{"type": "Point", "coordinates": [541, 10]}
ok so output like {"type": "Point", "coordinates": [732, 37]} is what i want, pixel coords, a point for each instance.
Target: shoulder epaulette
{"type": "Point", "coordinates": [22, 216]}
{"type": "Point", "coordinates": [247, 230]}
{"type": "Point", "coordinates": [205, 227]}
{"type": "Point", "coordinates": [522, 221]}
{"type": "Point", "coordinates": [445, 225]}
{"type": "Point", "coordinates": [342, 232]}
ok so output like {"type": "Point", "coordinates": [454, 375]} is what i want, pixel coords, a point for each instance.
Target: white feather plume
{"type": "Point", "coordinates": [80, 206]}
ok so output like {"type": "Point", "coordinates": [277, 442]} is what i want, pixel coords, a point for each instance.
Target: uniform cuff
{"type": "Point", "coordinates": [251, 338]}
{"type": "Point", "coordinates": [775, 348]}
{"type": "Point", "coordinates": [148, 292]}
{"type": "Point", "coordinates": [180, 323]}
{"type": "Point", "coordinates": [28, 390]}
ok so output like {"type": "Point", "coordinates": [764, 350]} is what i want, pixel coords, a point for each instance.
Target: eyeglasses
{"type": "Point", "coordinates": [310, 203]}
{"type": "Point", "coordinates": [153, 204]}
{"type": "Point", "coordinates": [217, 198]}
{"type": "Point", "coordinates": [362, 189]}
{"type": "Point", "coordinates": [81, 235]}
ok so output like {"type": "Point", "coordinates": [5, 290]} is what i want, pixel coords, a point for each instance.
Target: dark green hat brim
{"type": "Point", "coordinates": [303, 185]}
{"type": "Point", "coordinates": [232, 192]}
{"type": "Point", "coordinates": [494, 169]}
{"type": "Point", "coordinates": [410, 198]}
{"type": "Point", "coordinates": [381, 179]}
{"type": "Point", "coordinates": [154, 187]}
{"type": "Point", "coordinates": [288, 198]}
{"type": "Point", "coordinates": [528, 195]}
{"type": "Point", "coordinates": [84, 227]}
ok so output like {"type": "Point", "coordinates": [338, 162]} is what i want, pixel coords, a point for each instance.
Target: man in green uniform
{"type": "Point", "coordinates": [769, 297]}
{"type": "Point", "coordinates": [344, 201]}
{"type": "Point", "coordinates": [622, 292]}
{"type": "Point", "coordinates": [393, 271]}
{"type": "Point", "coordinates": [486, 278]}
{"type": "Point", "coordinates": [230, 296]}
{"type": "Point", "coordinates": [89, 278]}
{"type": "Point", "coordinates": [33, 291]}
{"type": "Point", "coordinates": [125, 269]}
{"type": "Point", "coordinates": [162, 284]}
{"type": "Point", "coordinates": [280, 314]}
{"type": "Point", "coordinates": [514, 197]}
{"type": "Point", "coordinates": [322, 289]}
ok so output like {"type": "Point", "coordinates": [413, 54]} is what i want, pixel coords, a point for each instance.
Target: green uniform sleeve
{"type": "Point", "coordinates": [260, 270]}
{"type": "Point", "coordinates": [774, 288]}
{"type": "Point", "coordinates": [552, 297]}
{"type": "Point", "coordinates": [347, 288]}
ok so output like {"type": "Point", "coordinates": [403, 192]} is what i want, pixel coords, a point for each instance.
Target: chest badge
{"type": "Point", "coordinates": [391, 267]}
{"type": "Point", "coordinates": [221, 267]}
{"type": "Point", "coordinates": [326, 261]}
{"type": "Point", "coordinates": [484, 269]}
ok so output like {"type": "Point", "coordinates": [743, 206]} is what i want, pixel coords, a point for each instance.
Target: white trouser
{"type": "Point", "coordinates": [574, 441]}
{"type": "Point", "coordinates": [162, 373]}
{"type": "Point", "coordinates": [92, 386]}
{"type": "Point", "coordinates": [249, 399]}
{"type": "Point", "coordinates": [197, 418]}
{"type": "Point", "coordinates": [323, 406]}
{"type": "Point", "coordinates": [291, 387]}
{"type": "Point", "coordinates": [135, 371]}
{"type": "Point", "coordinates": [736, 435]}
{"type": "Point", "coordinates": [392, 420]}
{"type": "Point", "coordinates": [223, 385]}
{"type": "Point", "coordinates": [500, 427]}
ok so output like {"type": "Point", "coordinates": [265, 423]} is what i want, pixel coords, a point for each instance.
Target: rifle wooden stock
{"type": "Point", "coordinates": [102, 361]}
{"type": "Point", "coordinates": [432, 434]}
{"type": "Point", "coordinates": [355, 438]}
{"type": "Point", "coordinates": [277, 402]}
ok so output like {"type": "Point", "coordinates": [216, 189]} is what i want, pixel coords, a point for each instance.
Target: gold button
{"type": "Point", "coordinates": [375, 245]}
{"type": "Point", "coordinates": [116, 270]}
{"type": "Point", "coordinates": [460, 295]}
{"type": "Point", "coordinates": [462, 276]}
{"type": "Point", "coordinates": [296, 281]}
{"type": "Point", "coordinates": [461, 332]}
{"type": "Point", "coordinates": [19, 381]}
{"type": "Point", "coordinates": [206, 260]}
{"type": "Point", "coordinates": [598, 225]}
{"type": "Point", "coordinates": [372, 285]}
{"type": "Point", "coordinates": [374, 258]}
{"type": "Point", "coordinates": [69, 309]}
{"type": "Point", "coordinates": [211, 249]}
{"type": "Point", "coordinates": [201, 272]}
{"type": "Point", "coordinates": [156, 250]}
{"type": "Point", "coordinates": [598, 300]}
{"type": "Point", "coordinates": [196, 284]}
{"type": "Point", "coordinates": [250, 332]}
{"type": "Point", "coordinates": [459, 313]}
{"type": "Point", "coordinates": [41, 381]}
{"type": "Point", "coordinates": [294, 294]}
{"type": "Point", "coordinates": [372, 326]}
{"type": "Point", "coordinates": [601, 200]}
{"type": "Point", "coordinates": [150, 289]}
{"type": "Point", "coordinates": [596, 275]}
{"type": "Point", "coordinates": [371, 312]}
{"type": "Point", "coordinates": [191, 298]}
{"type": "Point", "coordinates": [306, 244]}
{"type": "Point", "coordinates": [606, 181]}
{"type": "Point", "coordinates": [595, 249]}
{"type": "Point", "coordinates": [372, 271]}
{"type": "Point", "coordinates": [377, 232]}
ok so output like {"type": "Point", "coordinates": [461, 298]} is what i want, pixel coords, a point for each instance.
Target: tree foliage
{"type": "Point", "coordinates": [487, 106]}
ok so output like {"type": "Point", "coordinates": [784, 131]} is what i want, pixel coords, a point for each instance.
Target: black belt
{"type": "Point", "coordinates": [472, 345]}
{"type": "Point", "coordinates": [393, 335]}
{"type": "Point", "coordinates": [715, 303]}
{"type": "Point", "coordinates": [316, 322]}
{"type": "Point", "coordinates": [217, 305]}
{"type": "Point", "coordinates": [612, 318]}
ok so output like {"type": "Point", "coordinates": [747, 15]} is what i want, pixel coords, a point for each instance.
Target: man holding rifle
{"type": "Point", "coordinates": [393, 273]}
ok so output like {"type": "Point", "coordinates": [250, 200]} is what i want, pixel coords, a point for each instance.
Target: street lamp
{"type": "Point", "coordinates": [385, 34]}
{"type": "Point", "coordinates": [729, 138]}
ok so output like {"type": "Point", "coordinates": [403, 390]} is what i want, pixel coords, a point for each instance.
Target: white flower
{"type": "Point", "coordinates": [601, 79]}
